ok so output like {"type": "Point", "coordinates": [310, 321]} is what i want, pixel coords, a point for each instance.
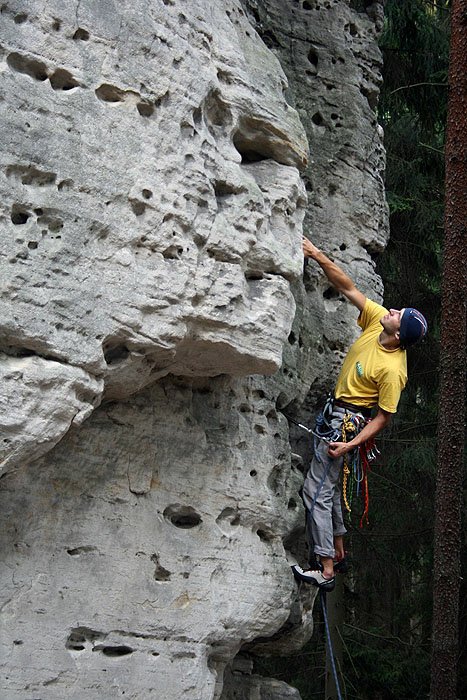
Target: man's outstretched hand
{"type": "Point", "coordinates": [309, 249]}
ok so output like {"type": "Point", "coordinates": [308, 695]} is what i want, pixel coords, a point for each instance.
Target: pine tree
{"type": "Point", "coordinates": [451, 431]}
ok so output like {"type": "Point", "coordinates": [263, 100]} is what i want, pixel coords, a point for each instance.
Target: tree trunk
{"type": "Point", "coordinates": [451, 426]}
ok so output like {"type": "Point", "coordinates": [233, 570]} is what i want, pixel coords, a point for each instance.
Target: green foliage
{"type": "Point", "coordinates": [387, 668]}
{"type": "Point", "coordinates": [305, 668]}
{"type": "Point", "coordinates": [415, 45]}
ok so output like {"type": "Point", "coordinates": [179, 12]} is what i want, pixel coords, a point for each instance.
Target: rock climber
{"type": "Point", "coordinates": [373, 375]}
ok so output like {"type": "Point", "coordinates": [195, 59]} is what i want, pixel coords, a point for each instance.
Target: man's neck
{"type": "Point", "coordinates": [388, 342]}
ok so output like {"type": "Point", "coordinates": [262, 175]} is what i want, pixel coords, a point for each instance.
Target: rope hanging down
{"type": "Point", "coordinates": [322, 595]}
{"type": "Point", "coordinates": [357, 465]}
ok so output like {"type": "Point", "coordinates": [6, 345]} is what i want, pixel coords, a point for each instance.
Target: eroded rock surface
{"type": "Point", "coordinates": [153, 204]}
{"type": "Point", "coordinates": [154, 174]}
{"type": "Point", "coordinates": [148, 544]}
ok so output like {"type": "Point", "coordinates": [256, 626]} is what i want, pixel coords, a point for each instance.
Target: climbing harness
{"type": "Point", "coordinates": [356, 464]}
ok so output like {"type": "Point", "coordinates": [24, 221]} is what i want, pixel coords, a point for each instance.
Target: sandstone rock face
{"type": "Point", "coordinates": [143, 550]}
{"type": "Point", "coordinates": [154, 176]}
{"type": "Point", "coordinates": [153, 204]}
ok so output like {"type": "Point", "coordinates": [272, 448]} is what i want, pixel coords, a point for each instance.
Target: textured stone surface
{"type": "Point", "coordinates": [152, 203]}
{"type": "Point", "coordinates": [151, 218]}
{"type": "Point", "coordinates": [33, 411]}
{"type": "Point", "coordinates": [148, 545]}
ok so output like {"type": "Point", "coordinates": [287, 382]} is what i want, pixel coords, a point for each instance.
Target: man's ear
{"type": "Point", "coordinates": [397, 335]}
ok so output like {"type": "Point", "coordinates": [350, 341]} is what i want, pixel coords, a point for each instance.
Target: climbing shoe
{"type": "Point", "coordinates": [342, 566]}
{"type": "Point", "coordinates": [315, 578]}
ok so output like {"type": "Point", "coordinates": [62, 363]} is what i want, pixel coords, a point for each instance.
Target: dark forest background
{"type": "Point", "coordinates": [384, 641]}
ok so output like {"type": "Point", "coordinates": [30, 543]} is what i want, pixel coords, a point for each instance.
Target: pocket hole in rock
{"type": "Point", "coordinates": [173, 252]}
{"type": "Point", "coordinates": [330, 293]}
{"type": "Point", "coordinates": [81, 550]}
{"type": "Point", "coordinates": [228, 515]}
{"type": "Point", "coordinates": [146, 109]}
{"type": "Point", "coordinates": [81, 35]}
{"type": "Point", "coordinates": [264, 535]}
{"type": "Point", "coordinates": [313, 57]}
{"type": "Point", "coordinates": [138, 208]}
{"type": "Point", "coordinates": [254, 276]}
{"type": "Point", "coordinates": [317, 119]}
{"type": "Point", "coordinates": [61, 79]}
{"type": "Point", "coordinates": [65, 185]}
{"type": "Point", "coordinates": [21, 64]}
{"type": "Point", "coordinates": [78, 637]}
{"type": "Point", "coordinates": [161, 573]}
{"type": "Point", "coordinates": [247, 150]}
{"type": "Point", "coordinates": [183, 517]}
{"type": "Point", "coordinates": [115, 354]}
{"type": "Point", "coordinates": [225, 189]}
{"type": "Point", "coordinates": [109, 93]}
{"type": "Point", "coordinates": [115, 651]}
{"type": "Point", "coordinates": [19, 216]}
{"type": "Point", "coordinates": [270, 39]}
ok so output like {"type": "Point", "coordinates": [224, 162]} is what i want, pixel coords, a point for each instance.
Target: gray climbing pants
{"type": "Point", "coordinates": [322, 493]}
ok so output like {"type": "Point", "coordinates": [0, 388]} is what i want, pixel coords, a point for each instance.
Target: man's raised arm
{"type": "Point", "coordinates": [335, 275]}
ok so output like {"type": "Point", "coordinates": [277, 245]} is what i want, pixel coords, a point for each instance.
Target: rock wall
{"type": "Point", "coordinates": [154, 177]}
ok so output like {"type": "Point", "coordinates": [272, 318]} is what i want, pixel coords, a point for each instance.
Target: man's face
{"type": "Point", "coordinates": [391, 322]}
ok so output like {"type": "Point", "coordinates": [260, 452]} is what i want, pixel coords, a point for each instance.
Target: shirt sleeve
{"type": "Point", "coordinates": [371, 314]}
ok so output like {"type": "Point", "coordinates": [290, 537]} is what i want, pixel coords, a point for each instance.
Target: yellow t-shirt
{"type": "Point", "coordinates": [372, 375]}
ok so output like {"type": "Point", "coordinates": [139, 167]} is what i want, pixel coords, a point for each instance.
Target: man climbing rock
{"type": "Point", "coordinates": [373, 374]}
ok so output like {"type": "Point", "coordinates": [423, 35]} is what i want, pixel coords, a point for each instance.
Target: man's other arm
{"type": "Point", "coordinates": [335, 275]}
{"type": "Point", "coordinates": [371, 429]}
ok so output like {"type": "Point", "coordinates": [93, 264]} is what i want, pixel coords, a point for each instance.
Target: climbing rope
{"type": "Point", "coordinates": [357, 465]}
{"type": "Point", "coordinates": [322, 596]}
{"type": "Point", "coordinates": [347, 428]}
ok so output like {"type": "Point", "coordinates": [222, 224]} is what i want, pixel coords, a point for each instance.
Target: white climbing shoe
{"type": "Point", "coordinates": [315, 578]}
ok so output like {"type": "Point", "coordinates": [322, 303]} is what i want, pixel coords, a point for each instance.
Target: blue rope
{"type": "Point", "coordinates": [322, 595]}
